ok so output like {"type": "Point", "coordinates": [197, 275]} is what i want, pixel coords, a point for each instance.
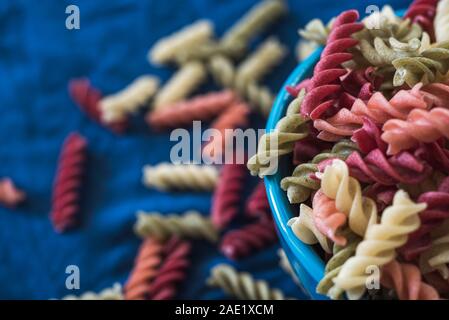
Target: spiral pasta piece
{"type": "Point", "coordinates": [376, 167]}
{"type": "Point", "coordinates": [281, 141]}
{"type": "Point", "coordinates": [340, 255]}
{"type": "Point", "coordinates": [379, 244]}
{"type": "Point", "coordinates": [240, 243]}
{"type": "Point", "coordinates": [406, 280]}
{"type": "Point", "coordinates": [166, 176]}
{"type": "Point", "coordinates": [114, 293]}
{"type": "Point", "coordinates": [304, 228]}
{"type": "Point", "coordinates": [166, 49]}
{"type": "Point", "coordinates": [259, 63]}
{"type": "Point", "coordinates": [182, 84]}
{"type": "Point", "coordinates": [242, 285]}
{"type": "Point", "coordinates": [223, 71]}
{"type": "Point", "coordinates": [346, 191]}
{"type": "Point", "coordinates": [145, 269]}
{"type": "Point", "coordinates": [304, 49]}
{"type": "Point", "coordinates": [172, 270]}
{"type": "Point", "coordinates": [116, 107]}
{"type": "Point", "coordinates": [235, 116]}
{"type": "Point", "coordinates": [325, 85]}
{"type": "Point", "coordinates": [441, 23]}
{"type": "Point", "coordinates": [201, 108]}
{"type": "Point", "coordinates": [190, 225]}
{"type": "Point", "coordinates": [302, 182]}
{"type": "Point", "coordinates": [88, 100]}
{"type": "Point", "coordinates": [428, 67]}
{"type": "Point", "coordinates": [420, 126]}
{"type": "Point", "coordinates": [65, 213]}
{"type": "Point", "coordinates": [257, 205]}
{"type": "Point", "coordinates": [252, 23]}
{"type": "Point", "coordinates": [228, 195]}
{"type": "Point", "coordinates": [10, 195]}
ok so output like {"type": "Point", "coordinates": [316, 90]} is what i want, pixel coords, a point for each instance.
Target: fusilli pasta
{"type": "Point", "coordinates": [114, 293]}
{"type": "Point", "coordinates": [304, 228]}
{"type": "Point", "coordinates": [117, 106]}
{"type": "Point", "coordinates": [441, 22]}
{"type": "Point", "coordinates": [346, 191]}
{"type": "Point", "coordinates": [166, 49]}
{"type": "Point", "coordinates": [379, 244]}
{"type": "Point", "coordinates": [182, 84]}
{"type": "Point", "coordinates": [191, 225]}
{"type": "Point", "coordinates": [242, 285]}
{"type": "Point", "coordinates": [166, 176]}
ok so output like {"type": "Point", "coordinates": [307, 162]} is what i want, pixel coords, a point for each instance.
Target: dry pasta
{"type": "Point", "coordinates": [242, 285]}
{"type": "Point", "coordinates": [437, 257]}
{"type": "Point", "coordinates": [190, 225]}
{"type": "Point", "coordinates": [117, 106]}
{"type": "Point", "coordinates": [167, 176]}
{"type": "Point", "coordinates": [305, 48]}
{"type": "Point", "coordinates": [346, 191]}
{"type": "Point", "coordinates": [252, 23]}
{"type": "Point", "coordinates": [304, 228]}
{"type": "Point", "coordinates": [441, 22]}
{"type": "Point", "coordinates": [166, 49]}
{"type": "Point", "coordinates": [181, 85]}
{"type": "Point", "coordinates": [379, 244]}
{"type": "Point", "coordinates": [259, 63]}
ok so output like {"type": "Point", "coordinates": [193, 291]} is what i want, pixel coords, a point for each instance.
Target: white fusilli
{"type": "Point", "coordinates": [380, 243]}
{"type": "Point", "coordinates": [116, 107]}
{"type": "Point", "coordinates": [242, 285]}
{"type": "Point", "coordinates": [166, 176]}
{"type": "Point", "coordinates": [437, 257]}
{"type": "Point", "coordinates": [190, 225]}
{"type": "Point", "coordinates": [305, 48]}
{"type": "Point", "coordinates": [182, 84]}
{"type": "Point", "coordinates": [304, 228]}
{"type": "Point", "coordinates": [441, 21]}
{"type": "Point", "coordinates": [166, 49]}
{"type": "Point", "coordinates": [346, 191]}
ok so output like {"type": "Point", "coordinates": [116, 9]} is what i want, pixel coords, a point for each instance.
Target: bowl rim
{"type": "Point", "coordinates": [311, 261]}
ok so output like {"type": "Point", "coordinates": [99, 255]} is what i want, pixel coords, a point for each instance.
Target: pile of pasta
{"type": "Point", "coordinates": [368, 132]}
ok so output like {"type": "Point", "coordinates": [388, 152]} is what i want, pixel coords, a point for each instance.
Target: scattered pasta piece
{"type": "Point", "coordinates": [242, 285]}
{"type": "Point", "coordinates": [181, 85]}
{"type": "Point", "coordinates": [166, 49]}
{"type": "Point", "coordinates": [116, 107]}
{"type": "Point", "coordinates": [166, 176]}
{"type": "Point", "coordinates": [190, 225]}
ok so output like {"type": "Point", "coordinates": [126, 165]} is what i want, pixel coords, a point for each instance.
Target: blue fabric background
{"type": "Point", "coordinates": [38, 56]}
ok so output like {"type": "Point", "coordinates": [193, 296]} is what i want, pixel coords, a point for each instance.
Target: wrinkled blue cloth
{"type": "Point", "coordinates": [38, 56]}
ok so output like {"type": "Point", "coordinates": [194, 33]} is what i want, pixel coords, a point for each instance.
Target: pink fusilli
{"type": "Point", "coordinates": [327, 219]}
{"type": "Point", "coordinates": [88, 98]}
{"type": "Point", "coordinates": [325, 87]}
{"type": "Point", "coordinates": [228, 195]}
{"type": "Point", "coordinates": [406, 281]}
{"type": "Point", "coordinates": [257, 205]}
{"type": "Point", "coordinates": [242, 242]}
{"type": "Point", "coordinates": [420, 126]}
{"type": "Point", "coordinates": [172, 270]}
{"type": "Point", "coordinates": [181, 114]}
{"type": "Point", "coordinates": [68, 182]}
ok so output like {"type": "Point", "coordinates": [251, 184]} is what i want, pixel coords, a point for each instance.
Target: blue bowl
{"type": "Point", "coordinates": [307, 265]}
